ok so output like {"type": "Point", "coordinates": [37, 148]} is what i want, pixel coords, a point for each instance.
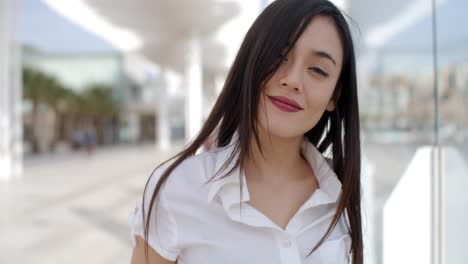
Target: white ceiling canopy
{"type": "Point", "coordinates": [157, 29]}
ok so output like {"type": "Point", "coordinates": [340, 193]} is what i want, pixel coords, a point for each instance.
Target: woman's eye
{"type": "Point", "coordinates": [319, 71]}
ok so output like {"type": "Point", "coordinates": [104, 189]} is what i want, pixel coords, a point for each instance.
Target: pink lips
{"type": "Point", "coordinates": [285, 104]}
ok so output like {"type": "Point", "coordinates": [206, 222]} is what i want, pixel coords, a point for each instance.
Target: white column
{"type": "Point", "coordinates": [193, 84]}
{"type": "Point", "coordinates": [162, 102]}
{"type": "Point", "coordinates": [133, 119]}
{"type": "Point", "coordinates": [10, 94]}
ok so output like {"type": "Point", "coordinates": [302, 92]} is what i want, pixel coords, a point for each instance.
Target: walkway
{"type": "Point", "coordinates": [71, 208]}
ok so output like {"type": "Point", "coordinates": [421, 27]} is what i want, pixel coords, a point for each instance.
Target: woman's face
{"type": "Point", "coordinates": [294, 99]}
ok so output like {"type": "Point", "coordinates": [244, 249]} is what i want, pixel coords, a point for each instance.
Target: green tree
{"type": "Point", "coordinates": [40, 89]}
{"type": "Point", "coordinates": [95, 104]}
{"type": "Point", "coordinates": [99, 104]}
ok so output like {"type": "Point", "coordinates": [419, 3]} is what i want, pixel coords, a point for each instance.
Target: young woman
{"type": "Point", "coordinates": [283, 183]}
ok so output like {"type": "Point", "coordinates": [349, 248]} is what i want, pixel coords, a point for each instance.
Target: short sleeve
{"type": "Point", "coordinates": [162, 235]}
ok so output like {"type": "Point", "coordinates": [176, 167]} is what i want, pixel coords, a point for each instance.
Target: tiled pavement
{"type": "Point", "coordinates": [71, 208]}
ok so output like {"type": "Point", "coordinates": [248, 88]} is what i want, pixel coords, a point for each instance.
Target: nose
{"type": "Point", "coordinates": [292, 77]}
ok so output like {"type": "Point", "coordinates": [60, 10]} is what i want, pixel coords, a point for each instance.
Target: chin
{"type": "Point", "coordinates": [284, 131]}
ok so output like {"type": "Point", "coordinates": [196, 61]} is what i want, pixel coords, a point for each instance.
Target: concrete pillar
{"type": "Point", "coordinates": [133, 119]}
{"type": "Point", "coordinates": [162, 107]}
{"type": "Point", "coordinates": [193, 84]}
{"type": "Point", "coordinates": [10, 94]}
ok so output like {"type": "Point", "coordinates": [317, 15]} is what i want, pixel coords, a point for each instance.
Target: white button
{"type": "Point", "coordinates": [286, 243]}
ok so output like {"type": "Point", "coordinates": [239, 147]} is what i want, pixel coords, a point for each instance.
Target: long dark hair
{"type": "Point", "coordinates": [275, 31]}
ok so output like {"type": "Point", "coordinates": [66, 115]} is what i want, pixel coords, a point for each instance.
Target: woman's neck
{"type": "Point", "coordinates": [280, 163]}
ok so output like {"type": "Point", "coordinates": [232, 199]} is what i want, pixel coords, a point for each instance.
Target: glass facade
{"type": "Point", "coordinates": [452, 54]}
{"type": "Point", "coordinates": [413, 80]}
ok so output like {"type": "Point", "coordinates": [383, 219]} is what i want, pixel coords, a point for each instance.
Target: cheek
{"type": "Point", "coordinates": [317, 99]}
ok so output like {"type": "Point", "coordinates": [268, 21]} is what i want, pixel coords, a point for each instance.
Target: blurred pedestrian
{"type": "Point", "coordinates": [76, 139]}
{"type": "Point", "coordinates": [89, 140]}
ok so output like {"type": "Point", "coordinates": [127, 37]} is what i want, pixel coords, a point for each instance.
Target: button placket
{"type": "Point", "coordinates": [288, 248]}
{"type": "Point", "coordinates": [286, 243]}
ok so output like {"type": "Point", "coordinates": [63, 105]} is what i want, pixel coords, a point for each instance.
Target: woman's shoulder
{"type": "Point", "coordinates": [200, 165]}
{"type": "Point", "coordinates": [191, 172]}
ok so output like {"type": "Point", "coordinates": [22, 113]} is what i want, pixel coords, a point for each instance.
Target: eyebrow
{"type": "Point", "coordinates": [323, 54]}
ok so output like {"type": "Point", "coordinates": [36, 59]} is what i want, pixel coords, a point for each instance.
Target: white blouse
{"type": "Point", "coordinates": [203, 223]}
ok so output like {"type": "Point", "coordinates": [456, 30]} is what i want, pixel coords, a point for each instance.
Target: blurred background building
{"type": "Point", "coordinates": [94, 94]}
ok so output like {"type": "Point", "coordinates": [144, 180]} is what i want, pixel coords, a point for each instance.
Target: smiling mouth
{"type": "Point", "coordinates": [283, 104]}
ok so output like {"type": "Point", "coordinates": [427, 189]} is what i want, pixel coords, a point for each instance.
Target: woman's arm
{"type": "Point", "coordinates": [138, 256]}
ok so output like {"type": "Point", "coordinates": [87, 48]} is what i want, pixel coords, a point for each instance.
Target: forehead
{"type": "Point", "coordinates": [321, 34]}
